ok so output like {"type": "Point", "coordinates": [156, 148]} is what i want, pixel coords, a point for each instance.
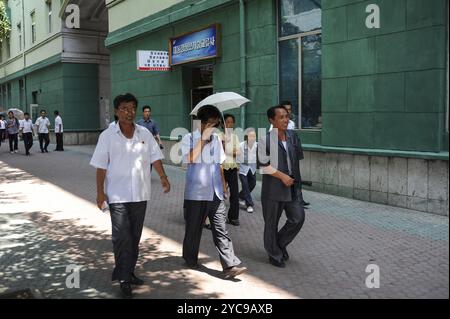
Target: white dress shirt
{"type": "Point", "coordinates": [58, 121]}
{"type": "Point", "coordinates": [2, 125]}
{"type": "Point", "coordinates": [26, 126]}
{"type": "Point", "coordinates": [249, 163]}
{"type": "Point", "coordinates": [42, 123]}
{"type": "Point", "coordinates": [127, 163]}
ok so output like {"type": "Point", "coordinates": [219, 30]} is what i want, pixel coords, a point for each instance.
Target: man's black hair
{"type": "Point", "coordinates": [229, 115]}
{"type": "Point", "coordinates": [26, 113]}
{"type": "Point", "coordinates": [273, 111]}
{"type": "Point", "coordinates": [42, 111]}
{"type": "Point", "coordinates": [146, 107]}
{"type": "Point", "coordinates": [56, 112]}
{"type": "Point", "coordinates": [207, 112]}
{"type": "Point", "coordinates": [124, 98]}
{"type": "Point", "coordinates": [286, 103]}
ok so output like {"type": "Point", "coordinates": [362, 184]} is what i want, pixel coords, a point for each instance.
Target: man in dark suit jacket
{"type": "Point", "coordinates": [279, 153]}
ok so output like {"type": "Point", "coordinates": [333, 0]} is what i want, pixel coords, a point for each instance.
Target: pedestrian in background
{"type": "Point", "coordinates": [247, 170]}
{"type": "Point", "coordinates": [147, 122]}
{"type": "Point", "coordinates": [12, 128]}
{"type": "Point", "coordinates": [2, 129]}
{"type": "Point", "coordinates": [59, 132]}
{"type": "Point", "coordinates": [231, 168]}
{"type": "Point", "coordinates": [42, 124]}
{"type": "Point", "coordinates": [26, 129]}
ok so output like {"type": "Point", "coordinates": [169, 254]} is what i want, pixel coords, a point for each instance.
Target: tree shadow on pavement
{"type": "Point", "coordinates": [36, 252]}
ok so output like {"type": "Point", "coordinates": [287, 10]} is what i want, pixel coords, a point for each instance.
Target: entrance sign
{"type": "Point", "coordinates": [195, 46]}
{"type": "Point", "coordinates": [153, 60]}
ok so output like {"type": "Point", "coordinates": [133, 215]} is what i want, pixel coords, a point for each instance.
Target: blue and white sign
{"type": "Point", "coordinates": [194, 46]}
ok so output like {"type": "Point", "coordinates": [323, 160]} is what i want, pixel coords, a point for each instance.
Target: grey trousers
{"type": "Point", "coordinates": [275, 240]}
{"type": "Point", "coordinates": [195, 215]}
{"type": "Point", "coordinates": [127, 222]}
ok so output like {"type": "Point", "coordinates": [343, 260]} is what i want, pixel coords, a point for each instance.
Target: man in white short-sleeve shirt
{"type": "Point", "coordinates": [123, 157]}
{"type": "Point", "coordinates": [59, 129]}
{"type": "Point", "coordinates": [42, 124]}
{"type": "Point", "coordinates": [26, 129]}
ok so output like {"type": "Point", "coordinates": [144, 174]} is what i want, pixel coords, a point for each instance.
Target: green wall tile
{"type": "Point", "coordinates": [348, 129]}
{"type": "Point", "coordinates": [425, 91]}
{"type": "Point", "coordinates": [334, 95]}
{"type": "Point", "coordinates": [334, 25]}
{"type": "Point", "coordinates": [407, 131]}
{"type": "Point", "coordinates": [424, 13]}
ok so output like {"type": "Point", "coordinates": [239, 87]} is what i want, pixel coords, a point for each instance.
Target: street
{"type": "Point", "coordinates": [49, 221]}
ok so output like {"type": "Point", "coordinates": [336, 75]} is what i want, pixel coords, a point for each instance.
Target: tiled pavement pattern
{"type": "Point", "coordinates": [48, 220]}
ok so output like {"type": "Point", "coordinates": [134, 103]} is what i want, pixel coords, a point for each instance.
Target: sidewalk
{"type": "Point", "coordinates": [48, 221]}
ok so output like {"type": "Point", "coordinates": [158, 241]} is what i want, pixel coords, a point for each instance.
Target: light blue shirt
{"type": "Point", "coordinates": [203, 177]}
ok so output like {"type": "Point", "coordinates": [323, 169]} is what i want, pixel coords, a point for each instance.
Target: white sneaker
{"type": "Point", "coordinates": [250, 209]}
{"type": "Point", "coordinates": [12, 152]}
{"type": "Point", "coordinates": [16, 151]}
{"type": "Point", "coordinates": [242, 203]}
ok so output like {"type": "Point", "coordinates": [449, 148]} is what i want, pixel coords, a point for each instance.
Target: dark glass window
{"type": "Point", "coordinates": [300, 58]}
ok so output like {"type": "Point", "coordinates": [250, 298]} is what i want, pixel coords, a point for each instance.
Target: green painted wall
{"type": "Point", "coordinates": [385, 88]}
{"type": "Point", "coordinates": [48, 82]}
{"type": "Point", "coordinates": [80, 110]}
{"type": "Point", "coordinates": [72, 89]}
{"type": "Point", "coordinates": [169, 92]}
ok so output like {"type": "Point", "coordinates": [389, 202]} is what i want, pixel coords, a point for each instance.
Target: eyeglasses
{"type": "Point", "coordinates": [125, 110]}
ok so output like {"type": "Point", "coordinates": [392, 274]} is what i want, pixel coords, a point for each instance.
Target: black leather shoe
{"type": "Point", "coordinates": [136, 281]}
{"type": "Point", "coordinates": [234, 222]}
{"type": "Point", "coordinates": [305, 203]}
{"type": "Point", "coordinates": [277, 263]}
{"type": "Point", "coordinates": [285, 254]}
{"type": "Point", "coordinates": [125, 288]}
{"type": "Point", "coordinates": [207, 226]}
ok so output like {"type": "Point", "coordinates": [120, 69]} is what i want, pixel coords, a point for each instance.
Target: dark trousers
{"type": "Point", "coordinates": [231, 178]}
{"type": "Point", "coordinates": [195, 215]}
{"type": "Point", "coordinates": [127, 222]}
{"type": "Point", "coordinates": [2, 136]}
{"type": "Point", "coordinates": [275, 240]}
{"type": "Point", "coordinates": [248, 184]}
{"type": "Point", "coordinates": [59, 142]}
{"type": "Point", "coordinates": [28, 142]}
{"type": "Point", "coordinates": [44, 137]}
{"type": "Point", "coordinates": [13, 142]}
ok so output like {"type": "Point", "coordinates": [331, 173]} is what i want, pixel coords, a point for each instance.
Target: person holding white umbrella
{"type": "Point", "coordinates": [204, 192]}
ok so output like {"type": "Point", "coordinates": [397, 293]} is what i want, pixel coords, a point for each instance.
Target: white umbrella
{"type": "Point", "coordinates": [223, 101]}
{"type": "Point", "coordinates": [17, 113]}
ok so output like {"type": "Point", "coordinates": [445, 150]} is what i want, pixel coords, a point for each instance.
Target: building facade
{"type": "Point", "coordinates": [47, 63]}
{"type": "Point", "coordinates": [370, 104]}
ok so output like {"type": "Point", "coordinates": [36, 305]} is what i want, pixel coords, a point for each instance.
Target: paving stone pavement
{"type": "Point", "coordinates": [49, 221]}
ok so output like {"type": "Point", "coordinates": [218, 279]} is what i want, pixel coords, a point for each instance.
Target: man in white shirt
{"type": "Point", "coordinates": [42, 124]}
{"type": "Point", "coordinates": [247, 170]}
{"type": "Point", "coordinates": [26, 129]}
{"type": "Point", "coordinates": [2, 129]}
{"type": "Point", "coordinates": [122, 157]}
{"type": "Point", "coordinates": [288, 106]}
{"type": "Point", "coordinates": [59, 132]}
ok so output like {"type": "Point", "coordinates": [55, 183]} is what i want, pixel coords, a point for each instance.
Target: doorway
{"type": "Point", "coordinates": [202, 85]}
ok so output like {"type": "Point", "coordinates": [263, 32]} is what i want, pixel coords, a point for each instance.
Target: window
{"type": "Point", "coordinates": [9, 95]}
{"type": "Point", "coordinates": [19, 32]}
{"type": "Point", "coordinates": [22, 94]}
{"type": "Point", "coordinates": [33, 27]}
{"type": "Point", "coordinates": [49, 16]}
{"type": "Point", "coordinates": [300, 59]}
{"type": "Point", "coordinates": [8, 48]}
